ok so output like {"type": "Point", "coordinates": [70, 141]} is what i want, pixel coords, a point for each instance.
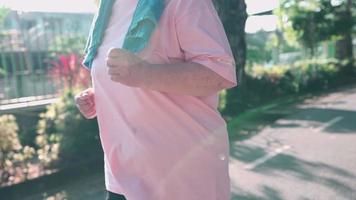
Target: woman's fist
{"type": "Point", "coordinates": [85, 102]}
{"type": "Point", "coordinates": [125, 67]}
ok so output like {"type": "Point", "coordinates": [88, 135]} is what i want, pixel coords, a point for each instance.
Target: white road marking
{"type": "Point", "coordinates": [329, 123]}
{"type": "Point", "coordinates": [266, 157]}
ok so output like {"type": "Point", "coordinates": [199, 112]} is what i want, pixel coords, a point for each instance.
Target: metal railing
{"type": "Point", "coordinates": [26, 59]}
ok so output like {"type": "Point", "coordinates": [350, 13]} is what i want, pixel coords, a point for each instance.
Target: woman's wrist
{"type": "Point", "coordinates": [145, 76]}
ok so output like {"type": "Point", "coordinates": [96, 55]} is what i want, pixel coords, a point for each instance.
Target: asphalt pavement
{"type": "Point", "coordinates": [308, 155]}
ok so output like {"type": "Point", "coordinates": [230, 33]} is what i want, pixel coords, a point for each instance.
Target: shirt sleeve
{"type": "Point", "coordinates": [203, 40]}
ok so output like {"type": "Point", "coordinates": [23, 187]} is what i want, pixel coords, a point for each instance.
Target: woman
{"type": "Point", "coordinates": [156, 76]}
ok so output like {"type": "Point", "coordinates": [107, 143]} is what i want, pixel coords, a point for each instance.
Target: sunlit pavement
{"type": "Point", "coordinates": [308, 155]}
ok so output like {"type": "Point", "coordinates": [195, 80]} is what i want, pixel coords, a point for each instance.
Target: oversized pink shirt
{"type": "Point", "coordinates": [159, 145]}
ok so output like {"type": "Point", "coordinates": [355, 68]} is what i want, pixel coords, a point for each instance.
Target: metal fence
{"type": "Point", "coordinates": [27, 52]}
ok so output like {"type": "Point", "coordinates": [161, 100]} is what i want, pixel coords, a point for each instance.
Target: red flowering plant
{"type": "Point", "coordinates": [68, 73]}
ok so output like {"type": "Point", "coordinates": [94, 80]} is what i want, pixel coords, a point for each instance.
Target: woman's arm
{"type": "Point", "coordinates": [186, 78]}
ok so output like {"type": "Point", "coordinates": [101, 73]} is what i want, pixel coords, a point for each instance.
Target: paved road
{"type": "Point", "coordinates": [308, 155]}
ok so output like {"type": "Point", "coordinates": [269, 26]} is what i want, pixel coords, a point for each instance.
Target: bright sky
{"type": "Point", "coordinates": [257, 6]}
{"type": "Point", "coordinates": [256, 23]}
{"type": "Point", "coordinates": [253, 24]}
{"type": "Point", "coordinates": [76, 6]}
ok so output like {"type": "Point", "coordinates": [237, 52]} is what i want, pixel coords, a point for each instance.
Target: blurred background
{"type": "Point", "coordinates": [291, 120]}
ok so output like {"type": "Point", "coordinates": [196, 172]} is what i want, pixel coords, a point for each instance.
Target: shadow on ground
{"type": "Point", "coordinates": [346, 124]}
{"type": "Point", "coordinates": [85, 182]}
{"type": "Point", "coordinates": [268, 193]}
{"type": "Point", "coordinates": [325, 175]}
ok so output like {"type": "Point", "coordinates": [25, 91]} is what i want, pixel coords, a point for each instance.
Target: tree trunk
{"type": "Point", "coordinates": [344, 47]}
{"type": "Point", "coordinates": [233, 15]}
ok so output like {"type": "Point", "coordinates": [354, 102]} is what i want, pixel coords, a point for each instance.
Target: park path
{"type": "Point", "coordinates": [308, 155]}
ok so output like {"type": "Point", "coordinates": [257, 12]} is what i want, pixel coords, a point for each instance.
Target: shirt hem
{"type": "Point", "coordinates": [115, 189]}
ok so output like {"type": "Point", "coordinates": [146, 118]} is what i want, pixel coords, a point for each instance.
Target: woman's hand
{"type": "Point", "coordinates": [85, 103]}
{"type": "Point", "coordinates": [126, 68]}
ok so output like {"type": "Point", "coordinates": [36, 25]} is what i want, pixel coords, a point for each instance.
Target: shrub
{"type": "Point", "coordinates": [2, 73]}
{"type": "Point", "coordinates": [264, 83]}
{"type": "Point", "coordinates": [63, 133]}
{"type": "Point", "coordinates": [67, 70]}
{"type": "Point", "coordinates": [15, 159]}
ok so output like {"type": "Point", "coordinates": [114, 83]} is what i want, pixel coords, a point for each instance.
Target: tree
{"type": "Point", "coordinates": [3, 14]}
{"type": "Point", "coordinates": [258, 48]}
{"type": "Point", "coordinates": [233, 16]}
{"type": "Point", "coordinates": [344, 46]}
{"type": "Point", "coordinates": [315, 21]}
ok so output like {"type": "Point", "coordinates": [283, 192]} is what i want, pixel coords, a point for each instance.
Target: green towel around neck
{"type": "Point", "coordinates": [144, 21]}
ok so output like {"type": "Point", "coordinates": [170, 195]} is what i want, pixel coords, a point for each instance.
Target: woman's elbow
{"type": "Point", "coordinates": [215, 88]}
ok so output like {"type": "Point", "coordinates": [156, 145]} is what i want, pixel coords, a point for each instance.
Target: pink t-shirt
{"type": "Point", "coordinates": [158, 145]}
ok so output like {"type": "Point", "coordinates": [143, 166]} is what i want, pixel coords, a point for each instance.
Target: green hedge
{"type": "Point", "coordinates": [263, 83]}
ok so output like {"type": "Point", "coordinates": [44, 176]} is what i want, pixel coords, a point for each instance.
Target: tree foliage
{"type": "Point", "coordinates": [3, 13]}
{"type": "Point", "coordinates": [258, 47]}
{"type": "Point", "coordinates": [314, 21]}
